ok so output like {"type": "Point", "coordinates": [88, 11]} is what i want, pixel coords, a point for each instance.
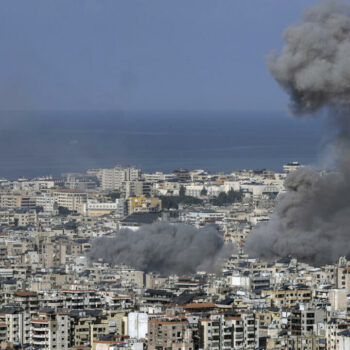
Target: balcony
{"type": "Point", "coordinates": [38, 342]}
{"type": "Point", "coordinates": [39, 337]}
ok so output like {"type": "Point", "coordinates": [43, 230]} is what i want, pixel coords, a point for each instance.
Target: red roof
{"type": "Point", "coordinates": [25, 294]}
{"type": "Point", "coordinates": [40, 321]}
{"type": "Point", "coordinates": [200, 306]}
{"type": "Point", "coordinates": [159, 321]}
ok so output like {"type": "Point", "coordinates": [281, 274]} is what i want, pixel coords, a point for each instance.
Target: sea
{"type": "Point", "coordinates": [34, 144]}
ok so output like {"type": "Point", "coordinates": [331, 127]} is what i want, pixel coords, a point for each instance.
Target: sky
{"type": "Point", "coordinates": [143, 55]}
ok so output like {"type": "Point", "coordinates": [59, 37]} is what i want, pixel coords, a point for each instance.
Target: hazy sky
{"type": "Point", "coordinates": [141, 54]}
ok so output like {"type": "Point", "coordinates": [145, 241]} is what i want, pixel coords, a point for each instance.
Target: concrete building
{"type": "Point", "coordinates": [73, 200]}
{"type": "Point", "coordinates": [338, 299]}
{"type": "Point", "coordinates": [137, 325]}
{"type": "Point", "coordinates": [25, 217]}
{"type": "Point", "coordinates": [218, 332]}
{"type": "Point", "coordinates": [94, 208]}
{"type": "Point", "coordinates": [136, 188]}
{"type": "Point", "coordinates": [143, 204]}
{"type": "Point", "coordinates": [17, 200]}
{"type": "Point", "coordinates": [16, 322]}
{"type": "Point", "coordinates": [302, 320]}
{"type": "Point", "coordinates": [51, 330]}
{"type": "Point", "coordinates": [112, 179]}
{"type": "Point", "coordinates": [47, 202]}
{"type": "Point", "coordinates": [169, 334]}
{"type": "Point", "coordinates": [290, 167]}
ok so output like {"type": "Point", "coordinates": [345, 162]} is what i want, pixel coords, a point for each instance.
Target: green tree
{"type": "Point", "coordinates": [182, 191]}
{"type": "Point", "coordinates": [227, 198]}
{"type": "Point", "coordinates": [63, 211]}
{"type": "Point", "coordinates": [172, 202]}
{"type": "Point", "coordinates": [234, 196]}
{"type": "Point", "coordinates": [114, 195]}
{"type": "Point", "coordinates": [169, 202]}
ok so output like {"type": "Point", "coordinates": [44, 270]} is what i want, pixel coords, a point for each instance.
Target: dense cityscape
{"type": "Point", "coordinates": [59, 291]}
{"type": "Point", "coordinates": [144, 257]}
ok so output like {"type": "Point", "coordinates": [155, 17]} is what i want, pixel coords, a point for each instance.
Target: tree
{"type": "Point", "coordinates": [114, 195]}
{"type": "Point", "coordinates": [63, 211]}
{"type": "Point", "coordinates": [234, 196]}
{"type": "Point", "coordinates": [169, 202]}
{"type": "Point", "coordinates": [182, 191]}
{"type": "Point", "coordinates": [204, 191]}
{"type": "Point", "coordinates": [227, 198]}
{"type": "Point", "coordinates": [172, 202]}
{"type": "Point", "coordinates": [190, 200]}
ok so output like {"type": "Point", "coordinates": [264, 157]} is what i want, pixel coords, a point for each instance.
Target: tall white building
{"type": "Point", "coordinates": [112, 179]}
{"type": "Point", "coordinates": [137, 325]}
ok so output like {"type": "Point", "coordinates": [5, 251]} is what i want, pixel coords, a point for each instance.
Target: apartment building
{"type": "Point", "coordinates": [142, 204]}
{"type": "Point", "coordinates": [16, 200]}
{"type": "Point", "coordinates": [220, 332]}
{"type": "Point", "coordinates": [51, 330]}
{"type": "Point", "coordinates": [52, 254]}
{"type": "Point", "coordinates": [28, 300]}
{"type": "Point", "coordinates": [73, 200]}
{"type": "Point", "coordinates": [287, 297]}
{"type": "Point", "coordinates": [334, 328]}
{"type": "Point", "coordinates": [169, 334]}
{"type": "Point", "coordinates": [287, 342]}
{"type": "Point", "coordinates": [76, 299]}
{"type": "Point", "coordinates": [136, 188]}
{"type": "Point", "coordinates": [302, 320]}
{"type": "Point", "coordinates": [200, 218]}
{"type": "Point", "coordinates": [48, 202]}
{"type": "Point", "coordinates": [16, 322]}
{"type": "Point", "coordinates": [88, 326]}
{"type": "Point", "coordinates": [112, 179]}
{"type": "Point", "coordinates": [95, 208]}
{"type": "Point", "coordinates": [25, 217]}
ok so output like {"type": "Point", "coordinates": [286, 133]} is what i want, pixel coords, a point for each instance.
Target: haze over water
{"type": "Point", "coordinates": [50, 143]}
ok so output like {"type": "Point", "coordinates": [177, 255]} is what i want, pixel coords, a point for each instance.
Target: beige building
{"type": "Point", "coordinates": [25, 217]}
{"type": "Point", "coordinates": [287, 297]}
{"type": "Point", "coordinates": [310, 342]}
{"type": "Point", "coordinates": [169, 334]}
{"type": "Point", "coordinates": [218, 332]}
{"type": "Point", "coordinates": [338, 299]}
{"type": "Point", "coordinates": [15, 325]}
{"type": "Point", "coordinates": [89, 326]}
{"type": "Point", "coordinates": [51, 330]}
{"type": "Point", "coordinates": [94, 208]}
{"type": "Point", "coordinates": [73, 200]}
{"type": "Point", "coordinates": [343, 278]}
{"type": "Point", "coordinates": [17, 200]}
{"type": "Point", "coordinates": [52, 254]}
{"type": "Point", "coordinates": [29, 301]}
{"type": "Point", "coordinates": [135, 188]}
{"type": "Point", "coordinates": [142, 204]}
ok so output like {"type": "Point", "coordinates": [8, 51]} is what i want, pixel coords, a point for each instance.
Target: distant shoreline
{"type": "Point", "coordinates": [51, 143]}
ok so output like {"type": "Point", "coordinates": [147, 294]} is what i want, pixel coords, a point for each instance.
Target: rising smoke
{"type": "Point", "coordinates": [314, 66]}
{"type": "Point", "coordinates": [312, 220]}
{"type": "Point", "coordinates": [164, 248]}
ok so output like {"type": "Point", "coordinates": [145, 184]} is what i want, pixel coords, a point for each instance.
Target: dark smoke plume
{"type": "Point", "coordinates": [314, 66]}
{"type": "Point", "coordinates": [164, 248]}
{"type": "Point", "coordinates": [312, 220]}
